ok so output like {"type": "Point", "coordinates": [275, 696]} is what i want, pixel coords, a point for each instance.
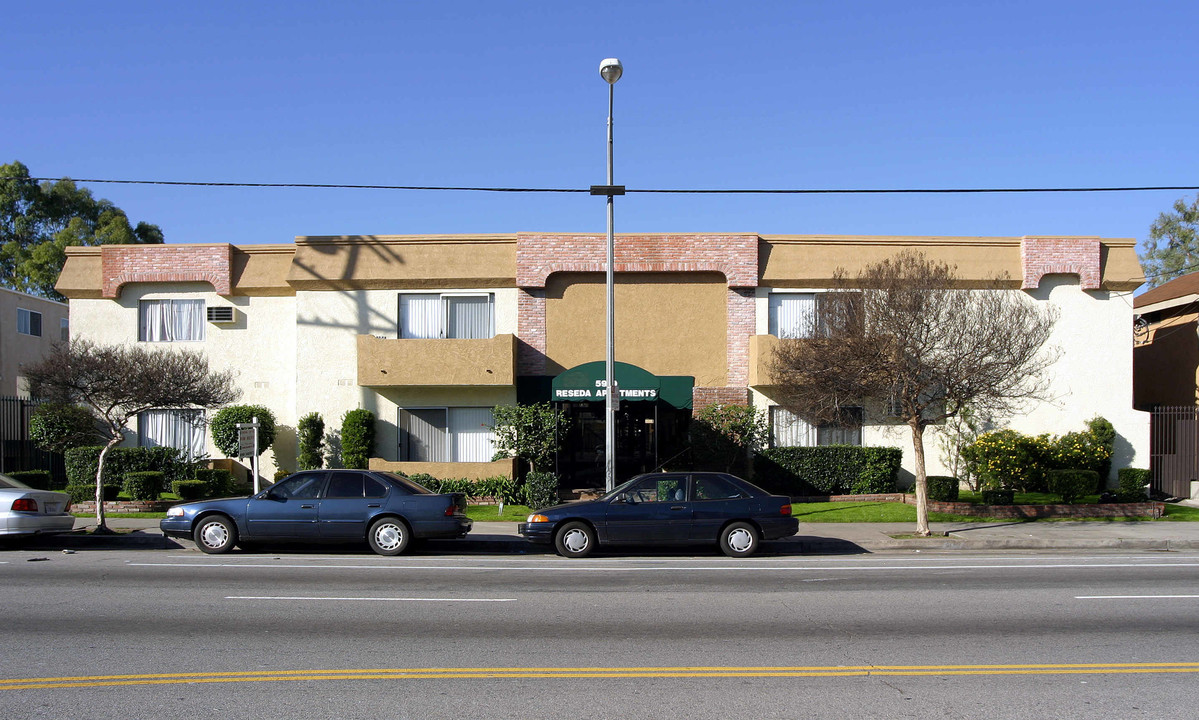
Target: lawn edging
{"type": "Point", "coordinates": [1022, 512]}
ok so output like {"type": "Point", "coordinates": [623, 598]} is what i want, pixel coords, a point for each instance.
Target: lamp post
{"type": "Point", "coordinates": [610, 70]}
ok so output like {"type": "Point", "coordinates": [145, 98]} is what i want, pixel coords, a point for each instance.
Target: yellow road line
{"type": "Point", "coordinates": [565, 673]}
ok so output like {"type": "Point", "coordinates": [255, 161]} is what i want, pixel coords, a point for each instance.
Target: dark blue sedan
{"type": "Point", "coordinates": [668, 509]}
{"type": "Point", "coordinates": [385, 509]}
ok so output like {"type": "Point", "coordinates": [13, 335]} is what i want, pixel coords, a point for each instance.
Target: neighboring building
{"type": "Point", "coordinates": [29, 326]}
{"type": "Point", "coordinates": [1166, 353]}
{"type": "Point", "coordinates": [431, 332]}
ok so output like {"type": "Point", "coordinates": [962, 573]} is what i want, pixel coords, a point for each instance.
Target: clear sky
{"type": "Point", "coordinates": [730, 95]}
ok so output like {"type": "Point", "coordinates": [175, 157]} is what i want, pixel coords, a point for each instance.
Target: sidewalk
{"type": "Point", "coordinates": [501, 538]}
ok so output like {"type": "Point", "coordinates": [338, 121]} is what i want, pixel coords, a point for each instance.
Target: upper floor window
{"type": "Point", "coordinates": [457, 434]}
{"type": "Point", "coordinates": [29, 322]}
{"type": "Point", "coordinates": [447, 316]}
{"type": "Point", "coordinates": [170, 320]}
{"type": "Point", "coordinates": [803, 315]}
{"type": "Point", "coordinates": [789, 430]}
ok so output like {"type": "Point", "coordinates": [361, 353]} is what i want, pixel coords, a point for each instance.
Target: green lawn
{"type": "Point", "coordinates": [487, 513]}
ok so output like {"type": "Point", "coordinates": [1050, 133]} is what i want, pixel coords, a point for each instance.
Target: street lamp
{"type": "Point", "coordinates": [610, 70]}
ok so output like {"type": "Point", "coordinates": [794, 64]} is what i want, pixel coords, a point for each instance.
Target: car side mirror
{"type": "Point", "coordinates": [626, 498]}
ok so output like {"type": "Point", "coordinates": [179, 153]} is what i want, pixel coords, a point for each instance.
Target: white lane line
{"type": "Point", "coordinates": [1135, 597]}
{"type": "Point", "coordinates": [375, 599]}
{"type": "Point", "coordinates": [576, 567]}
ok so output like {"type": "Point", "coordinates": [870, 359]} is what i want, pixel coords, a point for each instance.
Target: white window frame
{"type": "Point", "coordinates": [172, 330]}
{"type": "Point", "coordinates": [189, 440]}
{"type": "Point", "coordinates": [442, 330]}
{"type": "Point", "coordinates": [450, 450]}
{"type": "Point", "coordinates": [25, 324]}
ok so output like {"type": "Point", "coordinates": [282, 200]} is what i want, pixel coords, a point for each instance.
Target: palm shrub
{"type": "Point", "coordinates": [357, 438]}
{"type": "Point", "coordinates": [311, 432]}
{"type": "Point", "coordinates": [224, 427]}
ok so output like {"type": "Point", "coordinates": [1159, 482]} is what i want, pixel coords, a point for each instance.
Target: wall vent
{"type": "Point", "coordinates": [220, 314]}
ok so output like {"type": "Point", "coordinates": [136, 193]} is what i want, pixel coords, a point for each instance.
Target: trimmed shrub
{"type": "Point", "coordinates": [828, 470]}
{"type": "Point", "coordinates": [1072, 484]}
{"type": "Point", "coordinates": [40, 479]}
{"type": "Point", "coordinates": [541, 489]}
{"type": "Point", "coordinates": [81, 464]}
{"type": "Point", "coordinates": [942, 488]}
{"type": "Point", "coordinates": [311, 435]}
{"type": "Point", "coordinates": [143, 484]}
{"type": "Point", "coordinates": [357, 438]}
{"type": "Point", "coordinates": [224, 427]}
{"type": "Point", "coordinates": [1132, 484]}
{"type": "Point", "coordinates": [501, 487]}
{"type": "Point", "coordinates": [87, 493]}
{"type": "Point", "coordinates": [280, 474]}
{"type": "Point", "coordinates": [217, 482]}
{"type": "Point", "coordinates": [58, 427]}
{"type": "Point", "coordinates": [1008, 460]}
{"type": "Point", "coordinates": [190, 489]}
{"type": "Point", "coordinates": [1104, 435]}
{"type": "Point", "coordinates": [998, 497]}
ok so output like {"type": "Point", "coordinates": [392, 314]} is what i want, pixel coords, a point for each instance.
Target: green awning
{"type": "Point", "coordinates": [586, 383]}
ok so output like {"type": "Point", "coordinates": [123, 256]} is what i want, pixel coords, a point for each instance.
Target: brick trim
{"type": "Point", "coordinates": [1046, 256]}
{"type": "Point", "coordinates": [124, 264]}
{"type": "Point", "coordinates": [702, 397]}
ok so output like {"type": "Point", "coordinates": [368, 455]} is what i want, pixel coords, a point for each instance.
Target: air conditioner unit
{"type": "Point", "coordinates": [220, 314]}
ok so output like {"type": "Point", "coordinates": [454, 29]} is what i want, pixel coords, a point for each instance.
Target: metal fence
{"type": "Point", "coordinates": [1174, 455]}
{"type": "Point", "coordinates": [17, 451]}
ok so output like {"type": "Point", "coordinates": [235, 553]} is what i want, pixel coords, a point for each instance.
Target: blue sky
{"type": "Point", "coordinates": [715, 95]}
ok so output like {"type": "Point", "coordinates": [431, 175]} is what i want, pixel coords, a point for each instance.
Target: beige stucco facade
{"type": "Point", "coordinates": [18, 349]}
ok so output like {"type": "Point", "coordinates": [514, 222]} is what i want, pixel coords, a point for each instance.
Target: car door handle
{"type": "Point", "coordinates": [678, 507]}
{"type": "Point", "coordinates": [373, 505]}
{"type": "Point", "coordinates": [307, 507]}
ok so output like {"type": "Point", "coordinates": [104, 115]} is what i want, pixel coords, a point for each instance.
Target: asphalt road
{"type": "Point", "coordinates": [131, 634]}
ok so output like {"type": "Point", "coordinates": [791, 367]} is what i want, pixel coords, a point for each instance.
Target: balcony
{"type": "Point", "coordinates": [408, 363]}
{"type": "Point", "coordinates": [761, 353]}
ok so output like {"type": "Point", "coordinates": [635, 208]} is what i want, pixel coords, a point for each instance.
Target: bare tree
{"type": "Point", "coordinates": [908, 335]}
{"type": "Point", "coordinates": [116, 382]}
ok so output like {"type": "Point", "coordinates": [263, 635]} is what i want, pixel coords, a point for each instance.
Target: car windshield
{"type": "Point", "coordinates": [412, 487]}
{"type": "Point", "coordinates": [7, 482]}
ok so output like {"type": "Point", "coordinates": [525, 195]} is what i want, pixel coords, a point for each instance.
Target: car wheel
{"type": "Point", "coordinates": [739, 539]}
{"type": "Point", "coordinates": [575, 540]}
{"type": "Point", "coordinates": [215, 534]}
{"type": "Point", "coordinates": [389, 536]}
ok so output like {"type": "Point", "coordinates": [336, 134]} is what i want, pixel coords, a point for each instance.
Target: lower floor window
{"type": "Point", "coordinates": [457, 434]}
{"type": "Point", "coordinates": [179, 429]}
{"type": "Point", "coordinates": [789, 430]}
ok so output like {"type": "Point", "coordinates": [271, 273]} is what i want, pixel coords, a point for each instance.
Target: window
{"type": "Point", "coordinates": [64, 329]}
{"type": "Point", "coordinates": [715, 487]}
{"type": "Point", "coordinates": [302, 486]}
{"type": "Point", "coordinates": [446, 435]}
{"type": "Point", "coordinates": [801, 315]}
{"type": "Point", "coordinates": [354, 485]}
{"type": "Point", "coordinates": [789, 430]}
{"type": "Point", "coordinates": [447, 316]}
{"type": "Point", "coordinates": [170, 320]}
{"type": "Point", "coordinates": [29, 322]}
{"type": "Point", "coordinates": [669, 488]}
{"type": "Point", "coordinates": [179, 429]}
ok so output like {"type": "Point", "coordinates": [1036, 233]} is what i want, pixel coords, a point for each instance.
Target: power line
{"type": "Point", "coordinates": [802, 191]}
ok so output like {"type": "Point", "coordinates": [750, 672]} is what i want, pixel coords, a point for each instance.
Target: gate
{"type": "Point", "coordinates": [1174, 454]}
{"type": "Point", "coordinates": [17, 451]}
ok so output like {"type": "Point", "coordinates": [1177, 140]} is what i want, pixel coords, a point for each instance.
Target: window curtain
{"type": "Point", "coordinates": [471, 435]}
{"type": "Point", "coordinates": [179, 429]}
{"type": "Point", "coordinates": [420, 316]}
{"type": "Point", "coordinates": [792, 315]}
{"type": "Point", "coordinates": [789, 430]}
{"type": "Point", "coordinates": [469, 317]}
{"type": "Point", "coordinates": [847, 433]}
{"type": "Point", "coordinates": [424, 435]}
{"type": "Point", "coordinates": [171, 320]}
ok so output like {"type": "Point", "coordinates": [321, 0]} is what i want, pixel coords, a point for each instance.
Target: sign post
{"type": "Point", "coordinates": [247, 446]}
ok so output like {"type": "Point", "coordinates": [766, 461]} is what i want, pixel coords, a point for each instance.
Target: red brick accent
{"type": "Point", "coordinates": [702, 397]}
{"type": "Point", "coordinates": [1143, 509]}
{"type": "Point", "coordinates": [124, 506]}
{"type": "Point", "coordinates": [530, 323]}
{"type": "Point", "coordinates": [742, 324]}
{"type": "Point", "coordinates": [1045, 256]}
{"type": "Point", "coordinates": [123, 264]}
{"type": "Point", "coordinates": [540, 255]}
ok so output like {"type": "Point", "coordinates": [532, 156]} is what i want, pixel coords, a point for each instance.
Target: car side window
{"type": "Point", "coordinates": [714, 487]}
{"type": "Point", "coordinates": [345, 485]}
{"type": "Point", "coordinates": [672, 488]}
{"type": "Point", "coordinates": [373, 488]}
{"type": "Point", "coordinates": [300, 487]}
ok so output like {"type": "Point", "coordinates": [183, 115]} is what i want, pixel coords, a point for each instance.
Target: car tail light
{"type": "Point", "coordinates": [786, 509]}
{"type": "Point", "coordinates": [451, 509]}
{"type": "Point", "coordinates": [24, 505]}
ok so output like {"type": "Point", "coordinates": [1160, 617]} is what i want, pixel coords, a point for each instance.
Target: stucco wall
{"type": "Point", "coordinates": [17, 350]}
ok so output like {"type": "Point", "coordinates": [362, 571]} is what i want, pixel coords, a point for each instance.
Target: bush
{"type": "Point", "coordinates": [1132, 484]}
{"type": "Point", "coordinates": [144, 484]}
{"type": "Point", "coordinates": [311, 432]}
{"type": "Point", "coordinates": [40, 479]}
{"type": "Point", "coordinates": [722, 437]}
{"type": "Point", "coordinates": [943, 488]}
{"type": "Point", "coordinates": [541, 489]}
{"type": "Point", "coordinates": [190, 489]}
{"type": "Point", "coordinates": [458, 485]}
{"type": "Point", "coordinates": [426, 481]}
{"type": "Point", "coordinates": [998, 497]}
{"type": "Point", "coordinates": [1072, 484]}
{"type": "Point", "coordinates": [1104, 435]}
{"type": "Point", "coordinates": [280, 473]}
{"type": "Point", "coordinates": [81, 464]}
{"type": "Point", "coordinates": [224, 427]}
{"type": "Point", "coordinates": [828, 470]}
{"type": "Point", "coordinates": [501, 487]}
{"type": "Point", "coordinates": [58, 427]}
{"type": "Point", "coordinates": [1079, 451]}
{"type": "Point", "coordinates": [217, 482]}
{"type": "Point", "coordinates": [87, 493]}
{"type": "Point", "coordinates": [1008, 460]}
{"type": "Point", "coordinates": [357, 438]}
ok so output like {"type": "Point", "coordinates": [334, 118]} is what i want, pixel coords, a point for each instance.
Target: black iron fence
{"type": "Point", "coordinates": [1174, 455]}
{"type": "Point", "coordinates": [17, 451]}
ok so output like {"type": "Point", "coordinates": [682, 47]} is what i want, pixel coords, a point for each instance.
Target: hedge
{"type": "Point", "coordinates": [943, 488]}
{"type": "Point", "coordinates": [828, 470]}
{"type": "Point", "coordinates": [1072, 484]}
{"type": "Point", "coordinates": [1132, 484]}
{"type": "Point", "coordinates": [217, 482]}
{"type": "Point", "coordinates": [190, 489]}
{"type": "Point", "coordinates": [87, 493]}
{"type": "Point", "coordinates": [39, 479]}
{"type": "Point", "coordinates": [120, 461]}
{"type": "Point", "coordinates": [143, 485]}
{"type": "Point", "coordinates": [357, 438]}
{"type": "Point", "coordinates": [541, 490]}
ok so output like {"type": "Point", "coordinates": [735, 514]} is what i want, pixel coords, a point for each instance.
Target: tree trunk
{"type": "Point", "coordinates": [921, 480]}
{"type": "Point", "coordinates": [101, 525]}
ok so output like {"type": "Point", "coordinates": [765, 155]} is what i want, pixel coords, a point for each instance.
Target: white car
{"type": "Point", "coordinates": [28, 511]}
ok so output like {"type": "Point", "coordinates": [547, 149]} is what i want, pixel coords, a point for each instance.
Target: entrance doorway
{"type": "Point", "coordinates": [648, 434]}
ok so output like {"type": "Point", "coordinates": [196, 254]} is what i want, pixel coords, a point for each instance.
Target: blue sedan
{"type": "Point", "coordinates": [670, 509]}
{"type": "Point", "coordinates": [385, 509]}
